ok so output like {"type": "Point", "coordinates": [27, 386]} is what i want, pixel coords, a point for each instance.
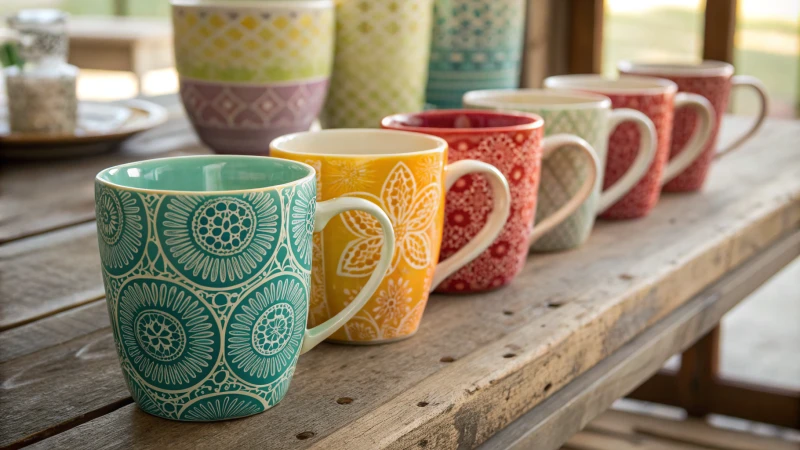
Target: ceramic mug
{"type": "Point", "coordinates": [514, 144]}
{"type": "Point", "coordinates": [477, 44]}
{"type": "Point", "coordinates": [407, 175]}
{"type": "Point", "coordinates": [590, 117]}
{"type": "Point", "coordinates": [381, 61]}
{"type": "Point", "coordinates": [206, 263]}
{"type": "Point", "coordinates": [714, 81]}
{"type": "Point", "coordinates": [658, 99]}
{"type": "Point", "coordinates": [252, 71]}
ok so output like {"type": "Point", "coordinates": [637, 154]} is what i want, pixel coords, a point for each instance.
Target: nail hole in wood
{"type": "Point", "coordinates": [305, 435]}
{"type": "Point", "coordinates": [509, 355]}
{"type": "Point", "coordinates": [626, 277]}
{"type": "Point", "coordinates": [548, 386]}
{"type": "Point", "coordinates": [422, 404]}
{"type": "Point", "coordinates": [508, 313]}
{"type": "Point", "coordinates": [344, 400]}
{"type": "Point", "coordinates": [554, 305]}
{"type": "Point", "coordinates": [423, 443]}
{"type": "Point", "coordinates": [447, 359]}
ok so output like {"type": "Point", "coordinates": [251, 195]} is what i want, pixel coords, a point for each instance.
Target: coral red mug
{"type": "Point", "coordinates": [658, 99]}
{"type": "Point", "coordinates": [714, 80]}
{"type": "Point", "coordinates": [514, 144]}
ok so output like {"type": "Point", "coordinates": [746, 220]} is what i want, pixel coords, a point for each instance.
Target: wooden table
{"type": "Point", "coordinates": [129, 44]}
{"type": "Point", "coordinates": [523, 367]}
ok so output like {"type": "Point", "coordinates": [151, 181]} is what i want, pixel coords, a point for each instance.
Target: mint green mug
{"type": "Point", "coordinates": [206, 262]}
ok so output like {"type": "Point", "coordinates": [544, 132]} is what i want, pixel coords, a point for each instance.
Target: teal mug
{"type": "Point", "coordinates": [206, 262]}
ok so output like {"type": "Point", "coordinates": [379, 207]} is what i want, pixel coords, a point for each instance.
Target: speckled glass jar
{"type": "Point", "coordinates": [42, 99]}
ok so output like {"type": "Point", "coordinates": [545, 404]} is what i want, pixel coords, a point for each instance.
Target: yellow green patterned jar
{"type": "Point", "coordinates": [381, 61]}
{"type": "Point", "coordinates": [252, 71]}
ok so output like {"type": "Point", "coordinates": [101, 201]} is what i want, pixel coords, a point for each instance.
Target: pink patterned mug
{"type": "Point", "coordinates": [714, 81]}
{"type": "Point", "coordinates": [514, 144]}
{"type": "Point", "coordinates": [658, 99]}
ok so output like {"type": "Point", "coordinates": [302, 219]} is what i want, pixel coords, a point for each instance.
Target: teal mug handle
{"type": "Point", "coordinates": [325, 212]}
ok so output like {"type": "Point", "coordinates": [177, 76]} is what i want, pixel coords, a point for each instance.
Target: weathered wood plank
{"type": "Point", "coordinates": [690, 431]}
{"type": "Point", "coordinates": [53, 330]}
{"type": "Point", "coordinates": [38, 197]}
{"type": "Point", "coordinates": [565, 413]}
{"type": "Point", "coordinates": [508, 355]}
{"type": "Point", "coordinates": [46, 274]}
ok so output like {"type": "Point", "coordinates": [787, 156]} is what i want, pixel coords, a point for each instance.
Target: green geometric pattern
{"type": "Point", "coordinates": [477, 44]}
{"type": "Point", "coordinates": [381, 61]}
{"type": "Point", "coordinates": [208, 295]}
{"type": "Point", "coordinates": [564, 172]}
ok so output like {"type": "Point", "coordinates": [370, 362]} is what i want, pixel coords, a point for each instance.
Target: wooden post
{"type": "Point", "coordinates": [720, 30]}
{"type": "Point", "coordinates": [586, 36]}
{"type": "Point", "coordinates": [537, 43]}
{"type": "Point", "coordinates": [698, 374]}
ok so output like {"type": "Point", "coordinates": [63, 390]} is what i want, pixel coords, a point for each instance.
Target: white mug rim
{"type": "Point", "coordinates": [256, 5]}
{"type": "Point", "coordinates": [351, 138]}
{"type": "Point", "coordinates": [485, 98]}
{"type": "Point", "coordinates": [623, 85]}
{"type": "Point", "coordinates": [706, 68]}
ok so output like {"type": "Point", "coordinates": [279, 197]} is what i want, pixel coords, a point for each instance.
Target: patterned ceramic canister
{"type": "Point", "coordinates": [477, 44]}
{"type": "Point", "coordinates": [714, 81]}
{"type": "Point", "coordinates": [590, 117]}
{"type": "Point", "coordinates": [252, 71]}
{"type": "Point", "coordinates": [514, 144]}
{"type": "Point", "coordinates": [206, 263]}
{"type": "Point", "coordinates": [657, 99]}
{"type": "Point", "coordinates": [381, 61]}
{"type": "Point", "coordinates": [407, 175]}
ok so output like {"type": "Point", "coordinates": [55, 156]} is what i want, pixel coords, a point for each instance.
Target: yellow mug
{"type": "Point", "coordinates": [407, 175]}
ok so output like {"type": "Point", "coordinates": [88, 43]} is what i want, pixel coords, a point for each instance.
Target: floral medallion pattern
{"type": "Point", "coordinates": [301, 222]}
{"type": "Point", "coordinates": [716, 90]}
{"type": "Point", "coordinates": [209, 301]}
{"type": "Point", "coordinates": [623, 147]}
{"type": "Point", "coordinates": [167, 333]}
{"type": "Point", "coordinates": [121, 227]}
{"type": "Point", "coordinates": [409, 188]}
{"type": "Point", "coordinates": [411, 211]}
{"type": "Point", "coordinates": [216, 240]}
{"type": "Point", "coordinates": [266, 329]}
{"type": "Point", "coordinates": [222, 407]}
{"type": "Point", "coordinates": [518, 156]}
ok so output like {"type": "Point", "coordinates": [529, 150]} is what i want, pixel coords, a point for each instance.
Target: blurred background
{"type": "Point", "coordinates": [766, 43]}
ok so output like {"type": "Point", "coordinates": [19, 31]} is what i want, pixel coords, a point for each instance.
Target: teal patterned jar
{"type": "Point", "coordinates": [206, 262]}
{"type": "Point", "coordinates": [477, 44]}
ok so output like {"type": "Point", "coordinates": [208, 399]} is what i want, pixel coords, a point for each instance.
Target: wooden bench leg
{"type": "Point", "coordinates": [698, 374]}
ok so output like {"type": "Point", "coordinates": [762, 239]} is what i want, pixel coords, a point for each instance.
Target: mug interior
{"type": "Point", "coordinates": [361, 142]}
{"type": "Point", "coordinates": [213, 173]}
{"type": "Point", "coordinates": [459, 120]}
{"type": "Point", "coordinates": [625, 84]}
{"type": "Point", "coordinates": [534, 99]}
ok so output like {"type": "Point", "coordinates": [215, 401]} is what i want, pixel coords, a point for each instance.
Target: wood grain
{"type": "Point", "coordinates": [586, 36]}
{"type": "Point", "coordinates": [512, 348]}
{"type": "Point", "coordinates": [554, 421]}
{"type": "Point", "coordinates": [617, 430]}
{"type": "Point", "coordinates": [53, 330]}
{"type": "Point", "coordinates": [46, 274]}
{"type": "Point", "coordinates": [720, 30]}
{"type": "Point", "coordinates": [37, 197]}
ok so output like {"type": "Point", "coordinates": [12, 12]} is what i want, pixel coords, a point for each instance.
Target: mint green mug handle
{"type": "Point", "coordinates": [325, 212]}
